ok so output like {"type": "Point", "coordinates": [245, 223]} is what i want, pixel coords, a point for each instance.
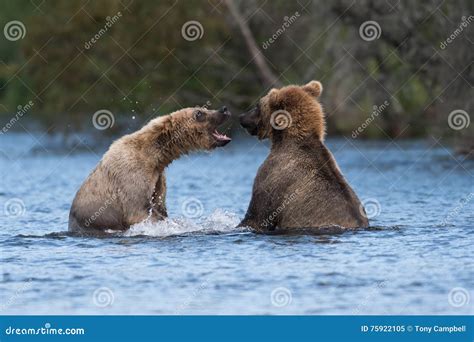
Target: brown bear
{"type": "Point", "coordinates": [299, 185]}
{"type": "Point", "coordinates": [128, 185]}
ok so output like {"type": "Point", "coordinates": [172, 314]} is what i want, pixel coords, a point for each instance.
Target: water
{"type": "Point", "coordinates": [418, 251]}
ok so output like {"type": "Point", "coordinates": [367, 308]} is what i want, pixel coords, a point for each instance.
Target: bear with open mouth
{"type": "Point", "coordinates": [128, 185]}
{"type": "Point", "coordinates": [299, 185]}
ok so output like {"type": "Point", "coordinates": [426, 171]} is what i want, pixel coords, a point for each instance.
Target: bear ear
{"type": "Point", "coordinates": [273, 92]}
{"type": "Point", "coordinates": [274, 98]}
{"type": "Point", "coordinates": [314, 88]}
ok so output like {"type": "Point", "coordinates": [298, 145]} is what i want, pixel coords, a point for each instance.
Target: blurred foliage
{"type": "Point", "coordinates": [141, 66]}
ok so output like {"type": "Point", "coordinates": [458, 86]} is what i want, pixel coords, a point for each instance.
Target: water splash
{"type": "Point", "coordinates": [219, 221]}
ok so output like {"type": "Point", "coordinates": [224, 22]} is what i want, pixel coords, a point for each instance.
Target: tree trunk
{"type": "Point", "coordinates": [266, 75]}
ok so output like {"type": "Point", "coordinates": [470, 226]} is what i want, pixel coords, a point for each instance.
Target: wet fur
{"type": "Point", "coordinates": [131, 173]}
{"type": "Point", "coordinates": [299, 185]}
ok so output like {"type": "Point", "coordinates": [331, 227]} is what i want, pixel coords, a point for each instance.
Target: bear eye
{"type": "Point", "coordinates": [199, 115]}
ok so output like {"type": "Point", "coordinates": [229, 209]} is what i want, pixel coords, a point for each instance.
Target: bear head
{"type": "Point", "coordinates": [193, 128]}
{"type": "Point", "coordinates": [291, 111]}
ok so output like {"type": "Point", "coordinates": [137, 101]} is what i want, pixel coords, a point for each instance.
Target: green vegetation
{"type": "Point", "coordinates": [131, 58]}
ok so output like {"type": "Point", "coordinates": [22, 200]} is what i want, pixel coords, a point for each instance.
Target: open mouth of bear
{"type": "Point", "coordinates": [220, 138]}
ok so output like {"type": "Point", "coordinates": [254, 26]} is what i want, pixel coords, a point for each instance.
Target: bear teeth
{"type": "Point", "coordinates": [220, 136]}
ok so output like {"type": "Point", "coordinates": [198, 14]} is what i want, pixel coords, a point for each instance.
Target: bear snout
{"type": "Point", "coordinates": [248, 121]}
{"type": "Point", "coordinates": [224, 110]}
{"type": "Point", "coordinates": [221, 116]}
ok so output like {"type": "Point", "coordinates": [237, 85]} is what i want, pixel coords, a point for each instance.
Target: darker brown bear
{"type": "Point", "coordinates": [128, 185]}
{"type": "Point", "coordinates": [299, 186]}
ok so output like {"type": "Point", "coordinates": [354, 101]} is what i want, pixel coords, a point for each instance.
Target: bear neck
{"type": "Point", "coordinates": [280, 140]}
{"type": "Point", "coordinates": [165, 140]}
{"type": "Point", "coordinates": [171, 148]}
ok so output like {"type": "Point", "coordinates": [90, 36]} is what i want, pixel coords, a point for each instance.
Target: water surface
{"type": "Point", "coordinates": [417, 258]}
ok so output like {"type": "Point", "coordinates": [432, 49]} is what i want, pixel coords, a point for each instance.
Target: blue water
{"type": "Point", "coordinates": [417, 258]}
